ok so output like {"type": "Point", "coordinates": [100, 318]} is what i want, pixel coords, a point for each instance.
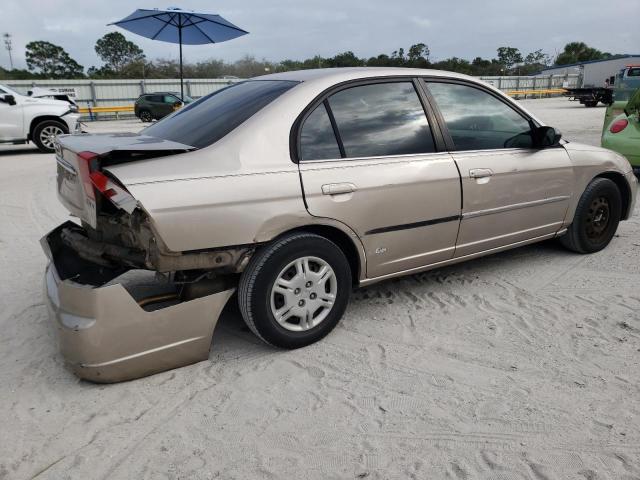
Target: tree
{"type": "Point", "coordinates": [418, 56]}
{"type": "Point", "coordinates": [534, 62]}
{"type": "Point", "coordinates": [17, 74]}
{"type": "Point", "coordinates": [454, 64]}
{"type": "Point", "coordinates": [537, 58]}
{"type": "Point", "coordinates": [117, 52]}
{"type": "Point", "coordinates": [52, 61]}
{"type": "Point", "coordinates": [344, 59]}
{"type": "Point", "coordinates": [509, 56]}
{"type": "Point", "coordinates": [575, 52]}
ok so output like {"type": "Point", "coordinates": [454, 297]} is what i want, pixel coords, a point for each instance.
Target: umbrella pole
{"type": "Point", "coordinates": [181, 86]}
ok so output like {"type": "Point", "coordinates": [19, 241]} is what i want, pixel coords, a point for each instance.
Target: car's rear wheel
{"type": "Point", "coordinates": [145, 116]}
{"type": "Point", "coordinates": [596, 218]}
{"type": "Point", "coordinates": [45, 133]}
{"type": "Point", "coordinates": [295, 290]}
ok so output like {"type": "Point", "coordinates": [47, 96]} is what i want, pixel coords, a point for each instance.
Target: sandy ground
{"type": "Point", "coordinates": [522, 365]}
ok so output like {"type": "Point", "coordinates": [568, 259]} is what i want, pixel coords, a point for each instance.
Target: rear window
{"type": "Point", "coordinates": [210, 118]}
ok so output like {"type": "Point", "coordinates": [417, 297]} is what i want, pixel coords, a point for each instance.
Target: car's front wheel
{"type": "Point", "coordinates": [145, 116]}
{"type": "Point", "coordinates": [295, 290]}
{"type": "Point", "coordinates": [45, 133]}
{"type": "Point", "coordinates": [596, 219]}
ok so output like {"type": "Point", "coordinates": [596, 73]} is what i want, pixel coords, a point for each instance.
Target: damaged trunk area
{"type": "Point", "coordinates": [111, 272]}
{"type": "Point", "coordinates": [116, 235]}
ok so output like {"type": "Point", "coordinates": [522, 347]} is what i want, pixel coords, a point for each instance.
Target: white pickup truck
{"type": "Point", "coordinates": [40, 120]}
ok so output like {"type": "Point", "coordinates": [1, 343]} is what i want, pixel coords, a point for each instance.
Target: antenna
{"type": "Point", "coordinates": [9, 47]}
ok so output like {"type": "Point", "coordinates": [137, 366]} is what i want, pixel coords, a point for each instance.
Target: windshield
{"type": "Point", "coordinates": [4, 89]}
{"type": "Point", "coordinates": [208, 119]}
{"type": "Point", "coordinates": [634, 103]}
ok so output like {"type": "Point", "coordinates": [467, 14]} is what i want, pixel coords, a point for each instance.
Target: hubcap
{"type": "Point", "coordinates": [303, 294]}
{"type": "Point", "coordinates": [597, 219]}
{"type": "Point", "coordinates": [48, 135]}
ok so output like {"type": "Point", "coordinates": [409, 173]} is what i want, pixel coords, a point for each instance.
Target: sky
{"type": "Point", "coordinates": [298, 29]}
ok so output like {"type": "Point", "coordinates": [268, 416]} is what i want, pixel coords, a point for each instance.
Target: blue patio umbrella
{"type": "Point", "coordinates": [175, 25]}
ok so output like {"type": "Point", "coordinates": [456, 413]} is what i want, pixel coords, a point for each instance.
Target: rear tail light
{"type": "Point", "coordinates": [619, 125]}
{"type": "Point", "coordinates": [91, 177]}
{"type": "Point", "coordinates": [116, 193]}
{"type": "Point", "coordinates": [87, 162]}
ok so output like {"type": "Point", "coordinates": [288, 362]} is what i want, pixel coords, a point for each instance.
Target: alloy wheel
{"type": "Point", "coordinates": [48, 135]}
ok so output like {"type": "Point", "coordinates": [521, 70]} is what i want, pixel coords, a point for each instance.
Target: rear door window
{"type": "Point", "coordinates": [477, 120]}
{"type": "Point", "coordinates": [381, 119]}
{"type": "Point", "coordinates": [210, 118]}
{"type": "Point", "coordinates": [317, 139]}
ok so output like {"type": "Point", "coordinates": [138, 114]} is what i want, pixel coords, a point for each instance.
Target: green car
{"type": "Point", "coordinates": [154, 106]}
{"type": "Point", "coordinates": [621, 132]}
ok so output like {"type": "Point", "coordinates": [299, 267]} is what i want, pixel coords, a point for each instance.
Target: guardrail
{"type": "Point", "coordinates": [93, 112]}
{"type": "Point", "coordinates": [540, 92]}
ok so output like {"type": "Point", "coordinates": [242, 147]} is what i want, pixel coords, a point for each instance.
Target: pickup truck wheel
{"type": "Point", "coordinates": [295, 290]}
{"type": "Point", "coordinates": [596, 218]}
{"type": "Point", "coordinates": [145, 116]}
{"type": "Point", "coordinates": [45, 133]}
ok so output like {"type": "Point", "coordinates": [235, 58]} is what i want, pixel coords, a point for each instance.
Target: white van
{"type": "Point", "coordinates": [39, 120]}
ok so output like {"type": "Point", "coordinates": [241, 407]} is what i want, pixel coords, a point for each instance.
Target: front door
{"type": "Point", "coordinates": [367, 158]}
{"type": "Point", "coordinates": [512, 192]}
{"type": "Point", "coordinates": [11, 119]}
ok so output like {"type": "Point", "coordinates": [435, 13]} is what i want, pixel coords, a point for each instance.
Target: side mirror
{"type": "Point", "coordinates": [546, 137]}
{"type": "Point", "coordinates": [177, 105]}
{"type": "Point", "coordinates": [10, 99]}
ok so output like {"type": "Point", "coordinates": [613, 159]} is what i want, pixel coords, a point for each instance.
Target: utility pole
{"type": "Point", "coordinates": [7, 45]}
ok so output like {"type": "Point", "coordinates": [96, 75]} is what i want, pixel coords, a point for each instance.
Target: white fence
{"type": "Point", "coordinates": [106, 93]}
{"type": "Point", "coordinates": [537, 82]}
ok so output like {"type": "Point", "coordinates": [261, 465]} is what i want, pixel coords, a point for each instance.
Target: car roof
{"type": "Point", "coordinates": [353, 73]}
{"type": "Point", "coordinates": [160, 93]}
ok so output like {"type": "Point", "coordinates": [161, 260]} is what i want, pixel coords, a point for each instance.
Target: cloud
{"type": "Point", "coordinates": [421, 22]}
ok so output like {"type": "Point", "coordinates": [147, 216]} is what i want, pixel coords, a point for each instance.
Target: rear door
{"type": "Point", "coordinates": [156, 105]}
{"type": "Point", "coordinates": [512, 191]}
{"type": "Point", "coordinates": [368, 158]}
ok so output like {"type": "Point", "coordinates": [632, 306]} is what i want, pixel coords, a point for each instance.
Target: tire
{"type": "Point", "coordinates": [596, 219]}
{"type": "Point", "coordinates": [305, 319]}
{"type": "Point", "coordinates": [145, 116]}
{"type": "Point", "coordinates": [45, 132]}
{"type": "Point", "coordinates": [591, 104]}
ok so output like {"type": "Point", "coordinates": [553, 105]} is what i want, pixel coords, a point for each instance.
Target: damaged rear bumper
{"type": "Point", "coordinates": [106, 335]}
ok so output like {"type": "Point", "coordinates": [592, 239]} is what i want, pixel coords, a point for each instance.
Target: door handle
{"type": "Point", "coordinates": [480, 172]}
{"type": "Point", "coordinates": [338, 188]}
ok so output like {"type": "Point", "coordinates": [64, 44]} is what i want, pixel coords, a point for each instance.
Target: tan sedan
{"type": "Point", "coordinates": [294, 188]}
